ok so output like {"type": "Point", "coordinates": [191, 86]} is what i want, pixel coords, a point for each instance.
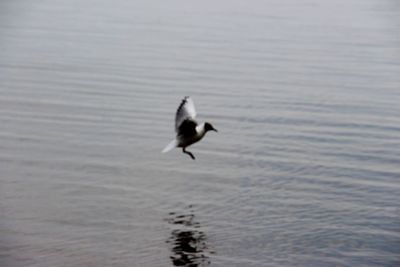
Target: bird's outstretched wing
{"type": "Point", "coordinates": [186, 111]}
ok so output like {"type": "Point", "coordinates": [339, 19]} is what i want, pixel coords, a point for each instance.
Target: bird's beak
{"type": "Point", "coordinates": [215, 130]}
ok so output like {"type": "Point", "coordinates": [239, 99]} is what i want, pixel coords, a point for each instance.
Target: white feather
{"type": "Point", "coordinates": [170, 146]}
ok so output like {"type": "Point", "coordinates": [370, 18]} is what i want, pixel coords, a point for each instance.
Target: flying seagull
{"type": "Point", "coordinates": [188, 131]}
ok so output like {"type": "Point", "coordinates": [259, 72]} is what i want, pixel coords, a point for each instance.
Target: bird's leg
{"type": "Point", "coordinates": [187, 152]}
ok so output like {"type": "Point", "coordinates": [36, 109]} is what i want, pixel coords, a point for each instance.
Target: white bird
{"type": "Point", "coordinates": [188, 131]}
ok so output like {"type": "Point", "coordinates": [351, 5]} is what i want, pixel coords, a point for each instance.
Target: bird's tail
{"type": "Point", "coordinates": [170, 146]}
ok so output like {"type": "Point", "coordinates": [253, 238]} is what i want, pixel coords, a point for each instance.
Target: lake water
{"type": "Point", "coordinates": [305, 168]}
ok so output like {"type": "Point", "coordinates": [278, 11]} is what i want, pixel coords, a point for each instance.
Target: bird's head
{"type": "Point", "coordinates": [209, 127]}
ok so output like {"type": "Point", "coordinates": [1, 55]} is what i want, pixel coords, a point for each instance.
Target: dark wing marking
{"type": "Point", "coordinates": [187, 128]}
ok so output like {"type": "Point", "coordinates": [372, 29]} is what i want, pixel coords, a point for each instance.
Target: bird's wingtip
{"type": "Point", "coordinates": [170, 146]}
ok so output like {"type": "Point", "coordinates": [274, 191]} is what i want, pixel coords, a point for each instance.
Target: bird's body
{"type": "Point", "coordinates": [188, 131]}
{"type": "Point", "coordinates": [185, 140]}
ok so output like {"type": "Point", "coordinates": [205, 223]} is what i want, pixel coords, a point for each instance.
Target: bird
{"type": "Point", "coordinates": [188, 130]}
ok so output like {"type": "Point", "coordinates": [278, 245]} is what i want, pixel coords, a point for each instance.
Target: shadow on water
{"type": "Point", "coordinates": [188, 242]}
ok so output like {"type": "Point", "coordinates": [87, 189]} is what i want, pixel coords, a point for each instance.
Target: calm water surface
{"type": "Point", "coordinates": [305, 169]}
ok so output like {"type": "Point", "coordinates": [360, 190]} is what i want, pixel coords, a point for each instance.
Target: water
{"type": "Point", "coordinates": [304, 170]}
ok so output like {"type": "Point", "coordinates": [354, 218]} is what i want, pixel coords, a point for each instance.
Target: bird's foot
{"type": "Point", "coordinates": [189, 153]}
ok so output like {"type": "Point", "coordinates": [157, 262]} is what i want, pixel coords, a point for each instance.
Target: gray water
{"type": "Point", "coordinates": [305, 168]}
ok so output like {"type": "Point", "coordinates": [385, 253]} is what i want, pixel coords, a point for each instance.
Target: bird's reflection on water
{"type": "Point", "coordinates": [188, 242]}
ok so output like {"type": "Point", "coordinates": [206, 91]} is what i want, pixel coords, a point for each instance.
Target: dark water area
{"type": "Point", "coordinates": [304, 170]}
{"type": "Point", "coordinates": [189, 245]}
